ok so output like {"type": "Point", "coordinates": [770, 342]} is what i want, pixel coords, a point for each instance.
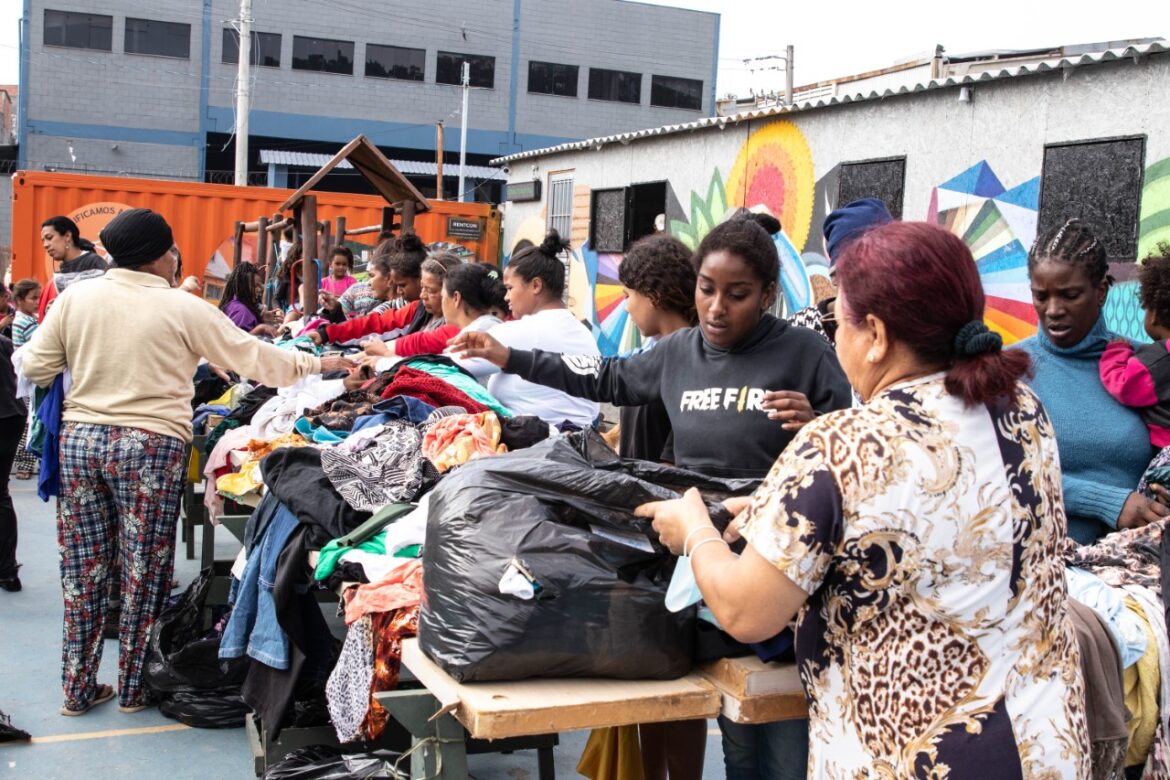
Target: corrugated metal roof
{"type": "Point", "coordinates": [1066, 63]}
{"type": "Point", "coordinates": [408, 167]}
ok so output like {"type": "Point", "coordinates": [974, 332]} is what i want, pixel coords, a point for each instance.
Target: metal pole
{"type": "Point", "coordinates": [262, 255]}
{"type": "Point", "coordinates": [238, 245]}
{"type": "Point", "coordinates": [788, 75]}
{"type": "Point", "coordinates": [463, 129]}
{"type": "Point", "coordinates": [243, 86]}
{"type": "Point", "coordinates": [309, 254]}
{"type": "Point", "coordinates": [439, 160]}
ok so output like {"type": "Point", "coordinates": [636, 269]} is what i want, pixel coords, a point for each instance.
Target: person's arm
{"type": "Point", "coordinates": [382, 322]}
{"type": "Point", "coordinates": [792, 525]}
{"type": "Point", "coordinates": [428, 342]}
{"type": "Point", "coordinates": [1087, 498]}
{"type": "Point", "coordinates": [830, 388]}
{"type": "Point", "coordinates": [1125, 376]}
{"type": "Point", "coordinates": [218, 339]}
{"type": "Point", "coordinates": [44, 354]}
{"type": "Point", "coordinates": [622, 382]}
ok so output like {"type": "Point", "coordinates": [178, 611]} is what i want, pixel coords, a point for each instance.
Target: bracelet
{"type": "Point", "coordinates": [687, 538]}
{"type": "Point", "coordinates": [702, 542]}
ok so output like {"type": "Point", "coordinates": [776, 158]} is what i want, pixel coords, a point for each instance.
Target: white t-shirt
{"type": "Point", "coordinates": [552, 330]}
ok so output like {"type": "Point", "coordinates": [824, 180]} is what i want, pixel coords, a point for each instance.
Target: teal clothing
{"type": "Point", "coordinates": [1104, 446]}
{"type": "Point", "coordinates": [369, 537]}
{"type": "Point", "coordinates": [463, 383]}
{"type": "Point", "coordinates": [318, 434]}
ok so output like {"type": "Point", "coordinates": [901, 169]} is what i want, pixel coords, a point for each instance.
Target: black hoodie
{"type": "Point", "coordinates": [713, 396]}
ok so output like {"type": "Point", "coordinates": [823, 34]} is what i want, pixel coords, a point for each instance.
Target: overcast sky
{"type": "Point", "coordinates": [848, 36]}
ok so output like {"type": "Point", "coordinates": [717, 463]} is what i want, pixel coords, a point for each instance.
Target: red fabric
{"type": "Point", "coordinates": [1125, 377]}
{"type": "Point", "coordinates": [431, 390]}
{"type": "Point", "coordinates": [383, 322]}
{"type": "Point", "coordinates": [428, 342]}
{"type": "Point", "coordinates": [48, 293]}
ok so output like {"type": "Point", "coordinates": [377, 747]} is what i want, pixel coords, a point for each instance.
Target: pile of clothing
{"type": "Point", "coordinates": [339, 472]}
{"type": "Point", "coordinates": [1116, 600]}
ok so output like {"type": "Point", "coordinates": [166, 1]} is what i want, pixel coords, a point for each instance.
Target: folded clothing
{"type": "Point", "coordinates": [452, 441]}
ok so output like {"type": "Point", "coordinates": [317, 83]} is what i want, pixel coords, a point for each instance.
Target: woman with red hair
{"type": "Point", "coordinates": [913, 538]}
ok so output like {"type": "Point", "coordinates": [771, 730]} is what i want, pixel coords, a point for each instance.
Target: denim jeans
{"type": "Point", "coordinates": [770, 751]}
{"type": "Point", "coordinates": [253, 626]}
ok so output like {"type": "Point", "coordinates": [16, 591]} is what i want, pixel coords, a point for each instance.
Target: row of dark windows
{"type": "Point", "coordinates": [1097, 180]}
{"type": "Point", "coordinates": [173, 39]}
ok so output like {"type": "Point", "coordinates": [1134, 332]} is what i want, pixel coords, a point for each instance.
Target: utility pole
{"type": "Point", "coordinates": [243, 88]}
{"type": "Point", "coordinates": [755, 65]}
{"type": "Point", "coordinates": [788, 74]}
{"type": "Point", "coordinates": [439, 160]}
{"type": "Point", "coordinates": [463, 129]}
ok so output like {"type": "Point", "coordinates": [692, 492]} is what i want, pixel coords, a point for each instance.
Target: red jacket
{"type": "Point", "coordinates": [384, 322]}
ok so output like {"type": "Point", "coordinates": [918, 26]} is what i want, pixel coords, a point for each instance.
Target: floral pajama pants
{"type": "Point", "coordinates": [119, 498]}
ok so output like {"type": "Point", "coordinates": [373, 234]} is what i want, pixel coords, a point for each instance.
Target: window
{"type": "Point", "coordinates": [548, 78]}
{"type": "Point", "coordinates": [670, 92]}
{"type": "Point", "coordinates": [162, 39]}
{"type": "Point", "coordinates": [621, 216]}
{"type": "Point", "coordinates": [322, 54]}
{"type": "Point", "coordinates": [881, 179]}
{"type": "Point", "coordinates": [78, 31]}
{"type": "Point", "coordinates": [615, 85]}
{"type": "Point", "coordinates": [560, 203]}
{"type": "Point", "coordinates": [1101, 183]}
{"type": "Point", "coordinates": [265, 48]}
{"type": "Point", "coordinates": [450, 69]}
{"type": "Point", "coordinates": [395, 62]}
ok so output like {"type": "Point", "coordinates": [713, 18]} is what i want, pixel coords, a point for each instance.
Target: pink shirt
{"type": "Point", "coordinates": [337, 286]}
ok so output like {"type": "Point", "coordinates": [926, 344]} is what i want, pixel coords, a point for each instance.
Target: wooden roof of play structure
{"type": "Point", "coordinates": [386, 180]}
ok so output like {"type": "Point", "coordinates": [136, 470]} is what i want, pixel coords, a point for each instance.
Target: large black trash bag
{"type": "Point", "coordinates": [214, 709]}
{"type": "Point", "coordinates": [182, 656]}
{"type": "Point", "coordinates": [559, 516]}
{"type": "Point", "coordinates": [321, 762]}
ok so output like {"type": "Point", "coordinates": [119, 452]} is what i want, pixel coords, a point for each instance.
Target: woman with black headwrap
{"type": "Point", "coordinates": [131, 343]}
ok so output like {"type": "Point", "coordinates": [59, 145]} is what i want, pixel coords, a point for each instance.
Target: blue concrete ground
{"type": "Point", "coordinates": [146, 745]}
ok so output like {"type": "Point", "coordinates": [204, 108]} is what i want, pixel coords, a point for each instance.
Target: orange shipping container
{"type": "Point", "coordinates": [203, 217]}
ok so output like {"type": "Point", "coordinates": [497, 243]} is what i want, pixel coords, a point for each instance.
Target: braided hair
{"type": "Point", "coordinates": [240, 286]}
{"type": "Point", "coordinates": [1072, 243]}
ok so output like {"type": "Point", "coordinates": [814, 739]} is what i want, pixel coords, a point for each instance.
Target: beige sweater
{"type": "Point", "coordinates": [132, 344]}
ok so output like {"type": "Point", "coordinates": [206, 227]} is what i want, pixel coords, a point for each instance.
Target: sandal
{"type": "Point", "coordinates": [104, 694]}
{"type": "Point", "coordinates": [131, 709]}
{"type": "Point", "coordinates": [24, 475]}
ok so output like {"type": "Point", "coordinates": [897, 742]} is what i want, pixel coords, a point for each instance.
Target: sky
{"type": "Point", "coordinates": [848, 36]}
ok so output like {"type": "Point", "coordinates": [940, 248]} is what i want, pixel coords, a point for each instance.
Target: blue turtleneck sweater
{"type": "Point", "coordinates": [1104, 447]}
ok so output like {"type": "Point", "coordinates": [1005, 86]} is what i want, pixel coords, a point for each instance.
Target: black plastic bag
{"type": "Point", "coordinates": [534, 566]}
{"type": "Point", "coordinates": [182, 657]}
{"type": "Point", "coordinates": [10, 733]}
{"type": "Point", "coordinates": [216, 709]}
{"type": "Point", "coordinates": [321, 762]}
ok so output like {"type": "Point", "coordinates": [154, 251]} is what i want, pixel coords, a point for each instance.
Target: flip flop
{"type": "Point", "coordinates": [130, 710]}
{"type": "Point", "coordinates": [104, 694]}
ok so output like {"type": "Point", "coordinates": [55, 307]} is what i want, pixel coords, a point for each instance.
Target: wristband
{"type": "Point", "coordinates": [702, 542]}
{"type": "Point", "coordinates": [687, 538]}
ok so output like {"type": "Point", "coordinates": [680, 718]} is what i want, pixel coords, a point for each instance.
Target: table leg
{"type": "Point", "coordinates": [439, 748]}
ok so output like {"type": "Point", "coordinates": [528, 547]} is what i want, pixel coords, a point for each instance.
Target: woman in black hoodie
{"type": "Point", "coordinates": [736, 388]}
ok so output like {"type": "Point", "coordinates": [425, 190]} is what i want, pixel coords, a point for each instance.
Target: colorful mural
{"type": "Point", "coordinates": [1155, 215]}
{"type": "Point", "coordinates": [999, 225]}
{"type": "Point", "coordinates": [774, 169]}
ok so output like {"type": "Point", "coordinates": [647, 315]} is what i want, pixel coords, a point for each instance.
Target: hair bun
{"type": "Point", "coordinates": [410, 242]}
{"type": "Point", "coordinates": [974, 339]}
{"type": "Point", "coordinates": [553, 244]}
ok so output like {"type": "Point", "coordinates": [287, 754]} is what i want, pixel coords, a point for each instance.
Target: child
{"type": "Point", "coordinates": [339, 279]}
{"type": "Point", "coordinates": [26, 295]}
{"type": "Point", "coordinates": [1140, 378]}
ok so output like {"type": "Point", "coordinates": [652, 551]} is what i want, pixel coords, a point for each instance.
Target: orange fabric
{"type": "Point", "coordinates": [401, 587]}
{"type": "Point", "coordinates": [453, 441]}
